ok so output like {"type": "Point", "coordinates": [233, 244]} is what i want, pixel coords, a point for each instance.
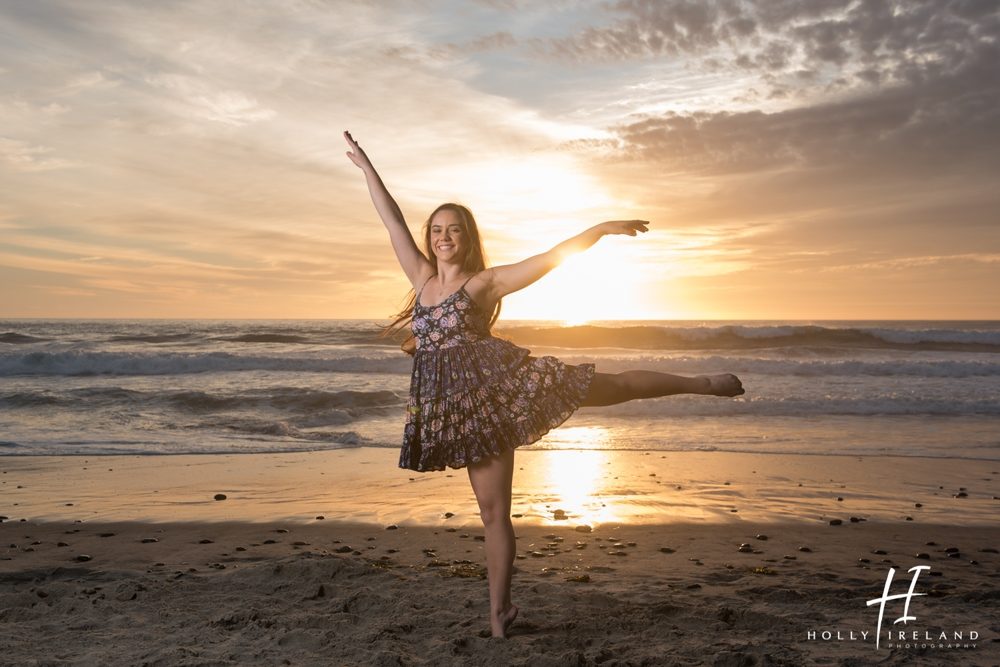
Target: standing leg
{"type": "Point", "coordinates": [491, 481]}
{"type": "Point", "coordinates": [611, 388]}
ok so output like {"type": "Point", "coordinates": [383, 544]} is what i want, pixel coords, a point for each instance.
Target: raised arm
{"type": "Point", "coordinates": [415, 265]}
{"type": "Point", "coordinates": [513, 277]}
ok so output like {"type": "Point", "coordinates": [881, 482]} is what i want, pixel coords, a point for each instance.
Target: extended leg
{"type": "Point", "coordinates": [491, 482]}
{"type": "Point", "coordinates": [611, 388]}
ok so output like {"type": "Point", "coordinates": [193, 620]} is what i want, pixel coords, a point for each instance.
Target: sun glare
{"type": "Point", "coordinates": [599, 284]}
{"type": "Point", "coordinates": [575, 481]}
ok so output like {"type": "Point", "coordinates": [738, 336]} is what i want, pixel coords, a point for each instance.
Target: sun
{"type": "Point", "coordinates": [602, 283]}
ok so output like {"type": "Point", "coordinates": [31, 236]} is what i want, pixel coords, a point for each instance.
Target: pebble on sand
{"type": "Point", "coordinates": [220, 496]}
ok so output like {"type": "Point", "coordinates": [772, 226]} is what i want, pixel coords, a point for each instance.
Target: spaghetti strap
{"type": "Point", "coordinates": [423, 286]}
{"type": "Point", "coordinates": [455, 292]}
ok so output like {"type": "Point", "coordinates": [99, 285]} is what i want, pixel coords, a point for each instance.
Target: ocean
{"type": "Point", "coordinates": [99, 387]}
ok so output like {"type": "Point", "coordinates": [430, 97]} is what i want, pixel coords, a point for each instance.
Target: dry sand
{"type": "Point", "coordinates": [656, 577]}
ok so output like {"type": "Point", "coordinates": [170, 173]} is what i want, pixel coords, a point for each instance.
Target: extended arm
{"type": "Point", "coordinates": [513, 277]}
{"type": "Point", "coordinates": [414, 263]}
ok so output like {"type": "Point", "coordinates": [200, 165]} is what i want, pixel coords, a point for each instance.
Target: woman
{"type": "Point", "coordinates": [474, 398]}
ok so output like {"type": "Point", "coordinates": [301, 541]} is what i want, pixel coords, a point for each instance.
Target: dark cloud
{"type": "Point", "coordinates": [902, 132]}
{"type": "Point", "coordinates": [871, 40]}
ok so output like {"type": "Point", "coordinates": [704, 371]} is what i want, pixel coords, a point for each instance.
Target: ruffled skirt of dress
{"type": "Point", "coordinates": [477, 400]}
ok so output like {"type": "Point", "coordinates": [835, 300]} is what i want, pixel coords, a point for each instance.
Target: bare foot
{"type": "Point", "coordinates": [503, 621]}
{"type": "Point", "coordinates": [726, 384]}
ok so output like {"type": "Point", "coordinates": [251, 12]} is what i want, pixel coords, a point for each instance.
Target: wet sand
{"type": "Point", "coordinates": [146, 567]}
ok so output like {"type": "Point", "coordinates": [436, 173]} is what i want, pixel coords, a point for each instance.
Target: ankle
{"type": "Point", "coordinates": [502, 610]}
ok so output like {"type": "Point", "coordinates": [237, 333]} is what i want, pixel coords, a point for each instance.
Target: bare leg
{"type": "Point", "coordinates": [611, 388]}
{"type": "Point", "coordinates": [491, 481]}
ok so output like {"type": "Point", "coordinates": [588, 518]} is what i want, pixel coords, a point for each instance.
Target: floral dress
{"type": "Point", "coordinates": [473, 396]}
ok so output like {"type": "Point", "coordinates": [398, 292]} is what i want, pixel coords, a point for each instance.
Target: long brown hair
{"type": "Point", "coordinates": [473, 262]}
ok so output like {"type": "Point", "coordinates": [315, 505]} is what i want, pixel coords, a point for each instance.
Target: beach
{"type": "Point", "coordinates": [188, 492]}
{"type": "Point", "coordinates": [623, 558]}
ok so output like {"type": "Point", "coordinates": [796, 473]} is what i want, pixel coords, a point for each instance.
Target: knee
{"type": "Point", "coordinates": [493, 514]}
{"type": "Point", "coordinates": [607, 389]}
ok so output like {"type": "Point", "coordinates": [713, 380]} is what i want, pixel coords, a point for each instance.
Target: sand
{"type": "Point", "coordinates": [639, 573]}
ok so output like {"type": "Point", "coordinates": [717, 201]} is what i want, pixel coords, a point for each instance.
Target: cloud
{"type": "Point", "coordinates": [906, 263]}
{"type": "Point", "coordinates": [201, 100]}
{"type": "Point", "coordinates": [22, 156]}
{"type": "Point", "coordinates": [840, 43]}
{"type": "Point", "coordinates": [896, 134]}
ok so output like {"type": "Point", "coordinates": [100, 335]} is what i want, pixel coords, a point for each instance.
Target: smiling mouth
{"type": "Point", "coordinates": [445, 247]}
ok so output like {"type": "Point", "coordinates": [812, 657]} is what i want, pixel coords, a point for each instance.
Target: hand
{"type": "Point", "coordinates": [630, 227]}
{"type": "Point", "coordinates": [358, 156]}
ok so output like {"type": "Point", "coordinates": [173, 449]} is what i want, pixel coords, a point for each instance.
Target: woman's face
{"type": "Point", "coordinates": [448, 241]}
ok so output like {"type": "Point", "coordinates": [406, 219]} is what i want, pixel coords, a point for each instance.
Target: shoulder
{"type": "Point", "coordinates": [480, 281]}
{"type": "Point", "coordinates": [425, 274]}
{"type": "Point", "coordinates": [481, 287]}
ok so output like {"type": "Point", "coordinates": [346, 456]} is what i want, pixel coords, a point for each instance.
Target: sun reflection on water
{"type": "Point", "coordinates": [575, 479]}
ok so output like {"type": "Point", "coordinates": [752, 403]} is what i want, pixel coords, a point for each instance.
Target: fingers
{"type": "Point", "coordinates": [630, 227]}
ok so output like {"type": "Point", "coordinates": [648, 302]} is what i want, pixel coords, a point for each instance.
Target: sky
{"type": "Point", "coordinates": [796, 159]}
